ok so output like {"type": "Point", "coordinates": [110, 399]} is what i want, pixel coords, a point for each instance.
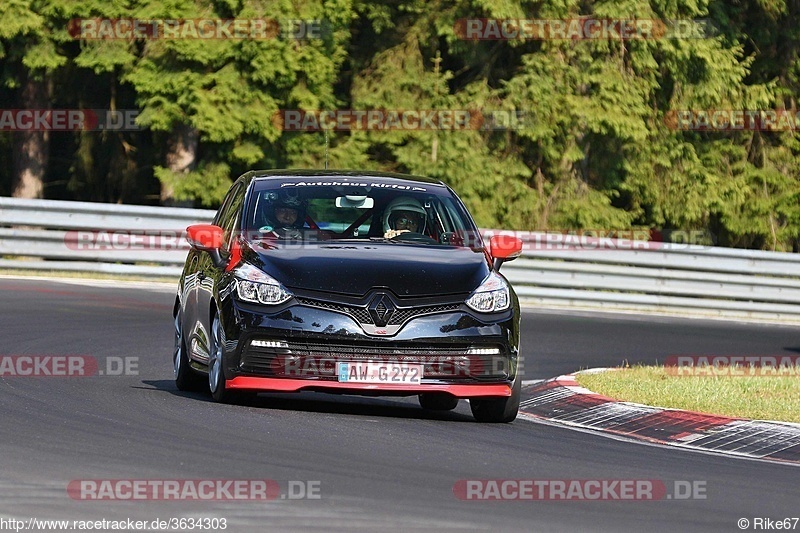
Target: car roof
{"type": "Point", "coordinates": [259, 175]}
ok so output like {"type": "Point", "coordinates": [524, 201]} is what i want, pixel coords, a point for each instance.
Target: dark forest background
{"type": "Point", "coordinates": [596, 150]}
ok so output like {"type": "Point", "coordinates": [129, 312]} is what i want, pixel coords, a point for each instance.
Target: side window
{"type": "Point", "coordinates": [229, 213]}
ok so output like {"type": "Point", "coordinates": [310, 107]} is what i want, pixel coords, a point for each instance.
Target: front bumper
{"type": "Point", "coordinates": [249, 383]}
{"type": "Point", "coordinates": [297, 346]}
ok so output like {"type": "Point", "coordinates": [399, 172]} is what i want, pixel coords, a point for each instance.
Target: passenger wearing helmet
{"type": "Point", "coordinates": [403, 215]}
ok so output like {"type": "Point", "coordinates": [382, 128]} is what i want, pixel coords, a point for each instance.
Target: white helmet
{"type": "Point", "coordinates": [406, 204]}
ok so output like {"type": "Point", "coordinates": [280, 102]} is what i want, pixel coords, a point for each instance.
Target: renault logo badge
{"type": "Point", "coordinates": [381, 310]}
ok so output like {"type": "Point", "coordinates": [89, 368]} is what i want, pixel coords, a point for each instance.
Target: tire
{"type": "Point", "coordinates": [216, 371]}
{"type": "Point", "coordinates": [497, 410]}
{"type": "Point", "coordinates": [186, 379]}
{"type": "Point", "coordinates": [432, 401]}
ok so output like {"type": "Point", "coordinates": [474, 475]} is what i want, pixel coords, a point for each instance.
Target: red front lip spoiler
{"type": "Point", "coordinates": [297, 385]}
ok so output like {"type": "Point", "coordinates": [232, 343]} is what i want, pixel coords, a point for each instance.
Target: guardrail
{"type": "Point", "coordinates": [553, 271]}
{"type": "Point", "coordinates": [125, 239]}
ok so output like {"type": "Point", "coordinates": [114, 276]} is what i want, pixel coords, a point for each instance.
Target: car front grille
{"type": "Point", "coordinates": [362, 316]}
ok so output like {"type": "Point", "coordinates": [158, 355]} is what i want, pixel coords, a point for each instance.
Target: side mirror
{"type": "Point", "coordinates": [207, 238]}
{"type": "Point", "coordinates": [504, 248]}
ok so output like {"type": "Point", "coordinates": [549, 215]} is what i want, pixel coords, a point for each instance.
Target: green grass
{"type": "Point", "coordinates": [764, 398]}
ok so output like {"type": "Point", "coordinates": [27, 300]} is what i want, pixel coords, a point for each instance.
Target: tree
{"type": "Point", "coordinates": [214, 100]}
{"type": "Point", "coordinates": [28, 47]}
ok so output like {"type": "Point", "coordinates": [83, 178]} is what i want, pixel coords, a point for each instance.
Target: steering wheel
{"type": "Point", "coordinates": [410, 236]}
{"type": "Point", "coordinates": [287, 233]}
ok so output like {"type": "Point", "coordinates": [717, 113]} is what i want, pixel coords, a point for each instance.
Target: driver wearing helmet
{"type": "Point", "coordinates": [403, 215]}
{"type": "Point", "coordinates": [288, 213]}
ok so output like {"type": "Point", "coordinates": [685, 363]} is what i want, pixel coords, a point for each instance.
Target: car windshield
{"type": "Point", "coordinates": [349, 209]}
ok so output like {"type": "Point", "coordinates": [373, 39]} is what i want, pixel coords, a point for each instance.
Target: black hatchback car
{"type": "Point", "coordinates": [348, 282]}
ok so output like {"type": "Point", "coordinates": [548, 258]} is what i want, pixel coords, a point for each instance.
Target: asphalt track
{"type": "Point", "coordinates": [381, 464]}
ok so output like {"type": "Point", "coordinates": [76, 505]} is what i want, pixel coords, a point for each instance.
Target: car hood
{"type": "Point", "coordinates": [356, 268]}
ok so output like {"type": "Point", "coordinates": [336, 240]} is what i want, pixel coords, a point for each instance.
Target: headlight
{"type": "Point", "coordinates": [491, 296]}
{"type": "Point", "coordinates": [254, 286]}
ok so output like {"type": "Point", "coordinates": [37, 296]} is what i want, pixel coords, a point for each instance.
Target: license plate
{"type": "Point", "coordinates": [376, 372]}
